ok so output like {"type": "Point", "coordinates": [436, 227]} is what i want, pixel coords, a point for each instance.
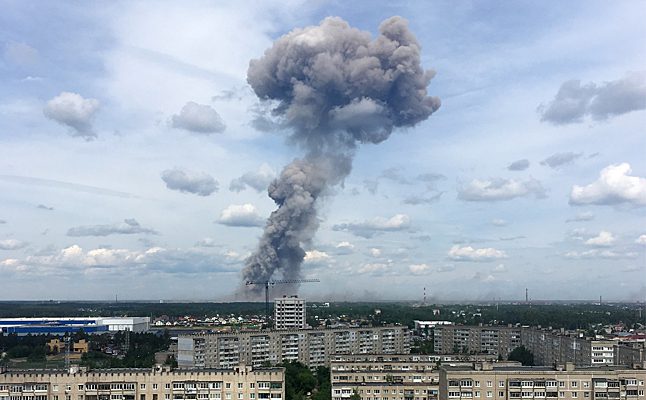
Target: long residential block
{"type": "Point", "coordinates": [488, 382]}
{"type": "Point", "coordinates": [242, 383]}
{"type": "Point", "coordinates": [312, 347]}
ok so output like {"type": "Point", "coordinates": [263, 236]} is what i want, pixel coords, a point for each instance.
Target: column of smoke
{"type": "Point", "coordinates": [334, 87]}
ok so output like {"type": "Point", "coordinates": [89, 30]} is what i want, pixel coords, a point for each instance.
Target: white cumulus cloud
{"type": "Point", "coordinates": [186, 181]}
{"type": "Point", "coordinates": [257, 180]}
{"type": "Point", "coordinates": [614, 186]}
{"type": "Point", "coordinates": [74, 111]}
{"type": "Point", "coordinates": [11, 244]}
{"type": "Point", "coordinates": [419, 269]}
{"type": "Point", "coordinates": [641, 240]}
{"type": "Point", "coordinates": [497, 189]}
{"type": "Point", "coordinates": [376, 225]}
{"type": "Point", "coordinates": [603, 239]}
{"type": "Point", "coordinates": [315, 256]}
{"type": "Point", "coordinates": [244, 215]}
{"type": "Point", "coordinates": [198, 118]}
{"type": "Point", "coordinates": [468, 253]}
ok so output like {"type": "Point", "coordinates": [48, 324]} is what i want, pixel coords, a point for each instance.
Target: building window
{"type": "Point", "coordinates": [489, 394]}
{"type": "Point", "coordinates": [501, 394]}
{"type": "Point", "coordinates": [489, 383]}
{"type": "Point", "coordinates": [240, 385]}
{"type": "Point", "coordinates": [142, 386]}
{"type": "Point", "coordinates": [501, 383]}
{"type": "Point", "coordinates": [561, 394]}
{"type": "Point", "coordinates": [575, 395]}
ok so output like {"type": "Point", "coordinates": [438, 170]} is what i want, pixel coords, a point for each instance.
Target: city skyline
{"type": "Point", "coordinates": [135, 158]}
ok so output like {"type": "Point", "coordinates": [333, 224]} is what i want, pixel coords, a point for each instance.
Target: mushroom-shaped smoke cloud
{"type": "Point", "coordinates": [333, 87]}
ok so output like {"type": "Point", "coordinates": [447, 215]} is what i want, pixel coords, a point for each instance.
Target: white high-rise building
{"type": "Point", "coordinates": [289, 313]}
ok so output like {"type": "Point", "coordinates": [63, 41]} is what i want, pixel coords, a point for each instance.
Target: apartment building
{"type": "Point", "coordinates": [393, 376]}
{"type": "Point", "coordinates": [289, 313]}
{"type": "Point", "coordinates": [489, 382]}
{"type": "Point", "coordinates": [242, 383]}
{"type": "Point", "coordinates": [312, 347]}
{"type": "Point", "coordinates": [551, 347]}
{"type": "Point", "coordinates": [494, 340]}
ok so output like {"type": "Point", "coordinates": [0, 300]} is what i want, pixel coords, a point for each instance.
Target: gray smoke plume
{"type": "Point", "coordinates": [334, 87]}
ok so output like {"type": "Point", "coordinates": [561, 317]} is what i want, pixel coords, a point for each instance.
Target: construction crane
{"type": "Point", "coordinates": [268, 283]}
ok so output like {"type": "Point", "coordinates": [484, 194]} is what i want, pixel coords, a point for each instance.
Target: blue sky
{"type": "Point", "coordinates": [130, 164]}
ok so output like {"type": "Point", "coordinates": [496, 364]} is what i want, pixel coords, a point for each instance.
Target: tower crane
{"type": "Point", "coordinates": [268, 283]}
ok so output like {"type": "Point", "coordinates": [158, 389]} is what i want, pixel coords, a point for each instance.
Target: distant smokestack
{"type": "Point", "coordinates": [334, 87]}
{"type": "Point", "coordinates": [526, 295]}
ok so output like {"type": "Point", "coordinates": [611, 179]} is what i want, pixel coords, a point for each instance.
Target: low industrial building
{"type": "Point", "coordinates": [240, 383]}
{"type": "Point", "coordinates": [312, 347]}
{"type": "Point", "coordinates": [63, 325]}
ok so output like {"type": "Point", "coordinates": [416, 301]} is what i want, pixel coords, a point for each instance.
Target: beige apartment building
{"type": "Point", "coordinates": [242, 383]}
{"type": "Point", "coordinates": [494, 340]}
{"type": "Point", "coordinates": [290, 313]}
{"type": "Point", "coordinates": [312, 347]}
{"type": "Point", "coordinates": [489, 382]}
{"type": "Point", "coordinates": [393, 377]}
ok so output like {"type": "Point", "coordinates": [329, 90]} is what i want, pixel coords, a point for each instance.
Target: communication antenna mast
{"type": "Point", "coordinates": [268, 283]}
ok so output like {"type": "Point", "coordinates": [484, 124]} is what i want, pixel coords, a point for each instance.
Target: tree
{"type": "Point", "coordinates": [355, 395]}
{"type": "Point", "coordinates": [522, 355]}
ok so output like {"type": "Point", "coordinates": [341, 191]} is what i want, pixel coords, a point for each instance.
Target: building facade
{"type": "Point", "coordinates": [493, 340]}
{"type": "Point", "coordinates": [289, 313]}
{"type": "Point", "coordinates": [393, 377]}
{"type": "Point", "coordinates": [312, 347]}
{"type": "Point", "coordinates": [488, 382]}
{"type": "Point", "coordinates": [243, 383]}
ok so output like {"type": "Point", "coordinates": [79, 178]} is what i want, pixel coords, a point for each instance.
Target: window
{"type": "Point", "coordinates": [476, 383]}
{"type": "Point", "coordinates": [454, 394]}
{"type": "Point", "coordinates": [561, 383]}
{"type": "Point", "coordinates": [574, 384]}
{"type": "Point", "coordinates": [142, 386]}
{"type": "Point", "coordinates": [561, 394]}
{"type": "Point", "coordinates": [240, 396]}
{"type": "Point", "coordinates": [252, 395]}
{"type": "Point", "coordinates": [575, 395]}
{"type": "Point", "coordinates": [489, 384]}
{"type": "Point", "coordinates": [155, 386]}
{"type": "Point", "coordinates": [228, 385]}
{"type": "Point", "coordinates": [489, 394]}
{"type": "Point", "coordinates": [501, 383]}
{"type": "Point", "coordinates": [586, 394]}
{"type": "Point", "coordinates": [501, 394]}
{"type": "Point", "coordinates": [240, 385]}
{"type": "Point", "coordinates": [476, 394]}
{"type": "Point", "coordinates": [80, 387]}
{"type": "Point", "coordinates": [586, 384]}
{"type": "Point", "coordinates": [252, 385]}
{"type": "Point", "coordinates": [167, 386]}
{"type": "Point", "coordinates": [167, 396]}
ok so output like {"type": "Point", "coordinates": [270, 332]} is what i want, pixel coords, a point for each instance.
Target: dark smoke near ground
{"type": "Point", "coordinates": [333, 87]}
